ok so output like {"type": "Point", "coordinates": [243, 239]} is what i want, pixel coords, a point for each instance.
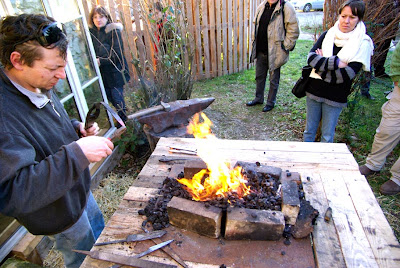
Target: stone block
{"type": "Point", "coordinates": [195, 217]}
{"type": "Point", "coordinates": [290, 201]}
{"type": "Point", "coordinates": [252, 224]}
{"type": "Point", "coordinates": [291, 176]}
{"type": "Point", "coordinates": [305, 220]}
{"type": "Point", "coordinates": [254, 168]}
{"type": "Point", "coordinates": [191, 167]}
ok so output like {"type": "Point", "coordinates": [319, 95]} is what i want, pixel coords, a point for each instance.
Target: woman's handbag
{"type": "Point", "coordinates": [299, 89]}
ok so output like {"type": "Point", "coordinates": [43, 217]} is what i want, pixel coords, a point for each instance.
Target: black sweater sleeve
{"type": "Point", "coordinates": [328, 67]}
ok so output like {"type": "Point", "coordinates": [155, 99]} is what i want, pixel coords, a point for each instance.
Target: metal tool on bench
{"type": "Point", "coordinates": [124, 260]}
{"type": "Point", "coordinates": [136, 237]}
{"type": "Point", "coordinates": [153, 248]}
{"type": "Point", "coordinates": [167, 250]}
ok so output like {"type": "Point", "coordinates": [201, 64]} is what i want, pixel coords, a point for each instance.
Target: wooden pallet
{"type": "Point", "coordinates": [357, 236]}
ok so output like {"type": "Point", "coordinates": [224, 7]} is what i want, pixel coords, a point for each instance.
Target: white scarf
{"type": "Point", "coordinates": [356, 45]}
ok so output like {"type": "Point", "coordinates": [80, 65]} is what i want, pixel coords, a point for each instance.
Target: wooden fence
{"type": "Point", "coordinates": [221, 30]}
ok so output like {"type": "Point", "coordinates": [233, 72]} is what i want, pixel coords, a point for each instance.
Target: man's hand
{"type": "Point", "coordinates": [92, 131]}
{"type": "Point", "coordinates": [95, 148]}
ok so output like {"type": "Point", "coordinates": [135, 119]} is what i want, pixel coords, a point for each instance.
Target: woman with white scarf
{"type": "Point", "coordinates": [336, 58]}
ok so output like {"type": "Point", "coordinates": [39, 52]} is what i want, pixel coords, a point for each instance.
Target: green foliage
{"type": "Point", "coordinates": [132, 138]}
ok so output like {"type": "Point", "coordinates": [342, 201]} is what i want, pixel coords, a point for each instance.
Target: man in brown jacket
{"type": "Point", "coordinates": [276, 31]}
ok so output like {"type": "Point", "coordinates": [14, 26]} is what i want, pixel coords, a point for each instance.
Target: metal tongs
{"type": "Point", "coordinates": [182, 151]}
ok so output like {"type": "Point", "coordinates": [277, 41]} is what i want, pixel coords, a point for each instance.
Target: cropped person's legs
{"type": "Point", "coordinates": [387, 135]}
{"type": "Point", "coordinates": [82, 235]}
{"type": "Point", "coordinates": [261, 76]}
{"type": "Point", "coordinates": [314, 111]}
{"type": "Point", "coordinates": [330, 116]}
{"type": "Point", "coordinates": [274, 78]}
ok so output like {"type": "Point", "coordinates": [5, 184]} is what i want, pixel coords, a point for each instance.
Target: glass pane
{"type": "Point", "coordinates": [27, 6]}
{"type": "Point", "coordinates": [64, 10]}
{"type": "Point", "coordinates": [92, 95]}
{"type": "Point", "coordinates": [72, 110]}
{"type": "Point", "coordinates": [80, 50]}
{"type": "Point", "coordinates": [62, 88]}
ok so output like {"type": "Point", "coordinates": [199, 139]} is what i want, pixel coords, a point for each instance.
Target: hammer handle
{"type": "Point", "coordinates": [146, 112]}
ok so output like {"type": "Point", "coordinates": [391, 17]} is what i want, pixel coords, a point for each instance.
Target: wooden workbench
{"type": "Point", "coordinates": [357, 236]}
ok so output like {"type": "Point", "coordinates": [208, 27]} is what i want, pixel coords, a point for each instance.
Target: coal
{"type": "Point", "coordinates": [263, 196]}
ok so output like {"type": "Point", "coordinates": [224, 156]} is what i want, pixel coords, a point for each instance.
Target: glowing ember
{"type": "Point", "coordinates": [218, 180]}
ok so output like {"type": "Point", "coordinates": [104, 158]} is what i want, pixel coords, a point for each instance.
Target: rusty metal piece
{"type": "Point", "coordinates": [167, 250]}
{"type": "Point", "coordinates": [182, 151]}
{"type": "Point", "coordinates": [135, 237]}
{"type": "Point", "coordinates": [181, 111]}
{"type": "Point", "coordinates": [121, 259]}
{"type": "Point", "coordinates": [328, 214]}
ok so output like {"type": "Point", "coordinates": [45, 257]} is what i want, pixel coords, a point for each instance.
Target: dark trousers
{"type": "Point", "coordinates": [116, 97]}
{"type": "Point", "coordinates": [261, 77]}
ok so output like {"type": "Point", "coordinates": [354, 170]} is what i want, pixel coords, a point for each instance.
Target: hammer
{"type": "Point", "coordinates": [162, 107]}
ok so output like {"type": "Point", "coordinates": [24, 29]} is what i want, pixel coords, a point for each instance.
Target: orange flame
{"type": "Point", "coordinates": [218, 180]}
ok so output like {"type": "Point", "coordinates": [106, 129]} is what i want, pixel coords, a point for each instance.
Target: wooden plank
{"type": "Point", "coordinates": [377, 229]}
{"type": "Point", "coordinates": [149, 181]}
{"type": "Point", "coordinates": [229, 42]}
{"type": "Point", "coordinates": [212, 43]}
{"type": "Point", "coordinates": [355, 246]}
{"type": "Point", "coordinates": [257, 145]}
{"type": "Point", "coordinates": [224, 12]}
{"type": "Point", "coordinates": [140, 193]}
{"type": "Point", "coordinates": [205, 33]}
{"type": "Point", "coordinates": [26, 249]}
{"type": "Point", "coordinates": [326, 243]}
{"type": "Point", "coordinates": [219, 40]}
{"type": "Point", "coordinates": [190, 22]}
{"type": "Point", "coordinates": [199, 51]}
{"type": "Point", "coordinates": [86, 9]}
{"type": "Point", "coordinates": [148, 36]}
{"type": "Point", "coordinates": [246, 33]}
{"type": "Point", "coordinates": [240, 33]}
{"type": "Point", "coordinates": [138, 37]}
{"type": "Point", "coordinates": [235, 35]}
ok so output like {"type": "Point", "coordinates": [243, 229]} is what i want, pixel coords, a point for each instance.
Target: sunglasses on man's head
{"type": "Point", "coordinates": [51, 34]}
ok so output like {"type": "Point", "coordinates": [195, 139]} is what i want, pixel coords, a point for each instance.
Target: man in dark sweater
{"type": "Point", "coordinates": [44, 175]}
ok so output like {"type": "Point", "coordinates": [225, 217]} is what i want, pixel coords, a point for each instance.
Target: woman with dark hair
{"type": "Point", "coordinates": [107, 42]}
{"type": "Point", "coordinates": [336, 58]}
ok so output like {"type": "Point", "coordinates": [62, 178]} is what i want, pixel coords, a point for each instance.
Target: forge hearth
{"type": "Point", "coordinates": [270, 209]}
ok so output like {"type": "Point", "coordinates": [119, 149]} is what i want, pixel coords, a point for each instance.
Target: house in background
{"type": "Point", "coordinates": [78, 92]}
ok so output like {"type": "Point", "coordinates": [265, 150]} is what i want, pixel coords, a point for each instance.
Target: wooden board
{"type": "Point", "coordinates": [358, 235]}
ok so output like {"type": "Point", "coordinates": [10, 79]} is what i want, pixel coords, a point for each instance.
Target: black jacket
{"type": "Point", "coordinates": [109, 49]}
{"type": "Point", "coordinates": [44, 175]}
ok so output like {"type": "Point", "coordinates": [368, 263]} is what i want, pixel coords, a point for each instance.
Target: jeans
{"type": "Point", "coordinates": [116, 97]}
{"type": "Point", "coordinates": [82, 235]}
{"type": "Point", "coordinates": [320, 111]}
{"type": "Point", "coordinates": [261, 77]}
{"type": "Point", "coordinates": [387, 136]}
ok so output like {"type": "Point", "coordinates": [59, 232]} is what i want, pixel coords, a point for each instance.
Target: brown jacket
{"type": "Point", "coordinates": [278, 55]}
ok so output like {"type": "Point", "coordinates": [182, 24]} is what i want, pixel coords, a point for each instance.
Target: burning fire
{"type": "Point", "coordinates": [218, 179]}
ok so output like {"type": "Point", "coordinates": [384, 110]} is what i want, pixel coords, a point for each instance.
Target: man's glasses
{"type": "Point", "coordinates": [51, 34]}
